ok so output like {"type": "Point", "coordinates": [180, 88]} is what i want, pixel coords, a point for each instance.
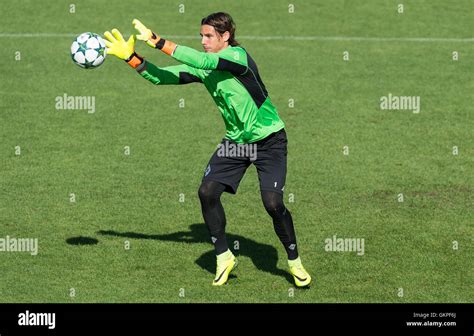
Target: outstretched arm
{"type": "Point", "coordinates": [171, 75]}
{"type": "Point", "coordinates": [179, 74]}
{"type": "Point", "coordinates": [234, 61]}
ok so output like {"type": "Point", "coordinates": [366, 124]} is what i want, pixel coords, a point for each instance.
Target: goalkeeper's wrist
{"type": "Point", "coordinates": [165, 46]}
{"type": "Point", "coordinates": [134, 60]}
{"type": "Point", "coordinates": [154, 40]}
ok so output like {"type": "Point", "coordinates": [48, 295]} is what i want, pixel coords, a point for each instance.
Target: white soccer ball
{"type": "Point", "coordinates": [88, 50]}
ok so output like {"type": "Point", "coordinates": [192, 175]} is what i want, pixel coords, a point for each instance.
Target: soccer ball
{"type": "Point", "coordinates": [88, 50]}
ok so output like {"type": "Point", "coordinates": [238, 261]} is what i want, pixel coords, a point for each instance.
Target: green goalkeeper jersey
{"type": "Point", "coordinates": [231, 77]}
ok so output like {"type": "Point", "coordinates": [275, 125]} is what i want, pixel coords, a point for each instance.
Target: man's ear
{"type": "Point", "coordinates": [226, 36]}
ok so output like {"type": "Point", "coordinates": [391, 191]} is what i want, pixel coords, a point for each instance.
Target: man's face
{"type": "Point", "coordinates": [211, 40]}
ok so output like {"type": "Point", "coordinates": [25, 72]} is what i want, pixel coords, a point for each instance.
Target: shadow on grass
{"type": "Point", "coordinates": [264, 257]}
{"type": "Point", "coordinates": [81, 241]}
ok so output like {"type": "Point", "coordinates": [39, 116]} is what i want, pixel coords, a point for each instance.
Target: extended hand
{"type": "Point", "coordinates": [116, 45]}
{"type": "Point", "coordinates": [145, 34]}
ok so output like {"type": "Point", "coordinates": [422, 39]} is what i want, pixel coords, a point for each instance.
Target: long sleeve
{"type": "Point", "coordinates": [232, 59]}
{"type": "Point", "coordinates": [171, 75]}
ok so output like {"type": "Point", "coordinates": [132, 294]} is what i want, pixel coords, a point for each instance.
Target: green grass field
{"type": "Point", "coordinates": [423, 245]}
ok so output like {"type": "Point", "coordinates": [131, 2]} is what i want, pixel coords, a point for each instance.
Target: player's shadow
{"type": "Point", "coordinates": [264, 257]}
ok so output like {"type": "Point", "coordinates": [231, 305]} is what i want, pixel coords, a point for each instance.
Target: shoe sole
{"type": "Point", "coordinates": [301, 284]}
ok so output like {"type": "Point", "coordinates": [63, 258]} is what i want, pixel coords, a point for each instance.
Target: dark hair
{"type": "Point", "coordinates": [222, 22]}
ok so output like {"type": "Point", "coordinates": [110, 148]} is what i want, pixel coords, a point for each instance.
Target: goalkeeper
{"type": "Point", "coordinates": [232, 78]}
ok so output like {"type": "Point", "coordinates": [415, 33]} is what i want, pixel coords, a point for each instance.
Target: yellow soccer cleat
{"type": "Point", "coordinates": [226, 262]}
{"type": "Point", "coordinates": [300, 275]}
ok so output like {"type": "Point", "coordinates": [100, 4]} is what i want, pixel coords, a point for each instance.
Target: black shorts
{"type": "Point", "coordinates": [230, 161]}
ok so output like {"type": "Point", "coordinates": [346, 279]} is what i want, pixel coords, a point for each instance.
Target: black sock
{"type": "Point", "coordinates": [282, 221]}
{"type": "Point", "coordinates": [213, 213]}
